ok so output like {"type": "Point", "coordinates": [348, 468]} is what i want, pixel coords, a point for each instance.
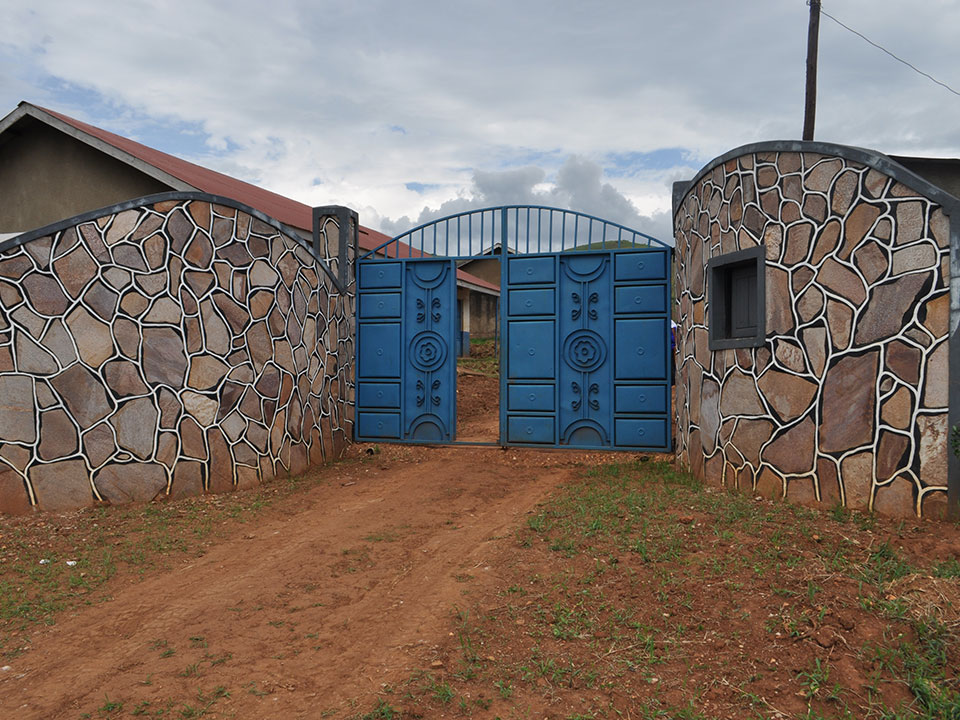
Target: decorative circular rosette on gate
{"type": "Point", "coordinates": [584, 350]}
{"type": "Point", "coordinates": [428, 351]}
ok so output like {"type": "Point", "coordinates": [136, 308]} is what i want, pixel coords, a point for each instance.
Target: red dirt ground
{"type": "Point", "coordinates": [335, 592]}
{"type": "Point", "coordinates": [328, 597]}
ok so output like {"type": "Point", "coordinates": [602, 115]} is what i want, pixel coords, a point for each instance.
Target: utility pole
{"type": "Point", "coordinates": [813, 38]}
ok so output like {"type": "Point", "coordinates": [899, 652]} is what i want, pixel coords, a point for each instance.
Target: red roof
{"type": "Point", "coordinates": [474, 280]}
{"type": "Point", "coordinates": [284, 209]}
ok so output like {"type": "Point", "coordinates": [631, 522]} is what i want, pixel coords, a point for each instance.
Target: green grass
{"type": "Point", "coordinates": [613, 245]}
{"type": "Point", "coordinates": [615, 598]}
{"type": "Point", "coordinates": [645, 529]}
{"type": "Point", "coordinates": [383, 711]}
{"type": "Point", "coordinates": [947, 569]}
{"type": "Point", "coordinates": [110, 707]}
{"type": "Point", "coordinates": [483, 357]}
{"type": "Point", "coordinates": [884, 565]}
{"type": "Point", "coordinates": [922, 665]}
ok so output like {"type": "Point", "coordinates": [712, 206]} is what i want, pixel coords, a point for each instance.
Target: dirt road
{"type": "Point", "coordinates": [309, 610]}
{"type": "Point", "coordinates": [411, 576]}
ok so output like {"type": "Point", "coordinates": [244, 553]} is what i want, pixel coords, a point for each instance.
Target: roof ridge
{"type": "Point", "coordinates": [286, 210]}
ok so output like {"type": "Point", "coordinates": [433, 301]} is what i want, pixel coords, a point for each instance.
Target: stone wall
{"type": "Point", "coordinates": [168, 349]}
{"type": "Point", "coordinates": [847, 399]}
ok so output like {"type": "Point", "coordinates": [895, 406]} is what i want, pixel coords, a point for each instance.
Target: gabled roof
{"type": "Point", "coordinates": [496, 249]}
{"type": "Point", "coordinates": [180, 174]}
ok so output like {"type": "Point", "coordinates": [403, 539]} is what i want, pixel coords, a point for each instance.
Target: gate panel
{"type": "Point", "coordinates": [406, 366]}
{"type": "Point", "coordinates": [530, 354]}
{"type": "Point", "coordinates": [587, 361]}
{"type": "Point", "coordinates": [586, 404]}
{"type": "Point", "coordinates": [430, 370]}
{"type": "Point", "coordinates": [641, 349]}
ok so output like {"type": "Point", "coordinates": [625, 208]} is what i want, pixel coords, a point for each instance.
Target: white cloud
{"type": "Point", "coordinates": [346, 102]}
{"type": "Point", "coordinates": [579, 185]}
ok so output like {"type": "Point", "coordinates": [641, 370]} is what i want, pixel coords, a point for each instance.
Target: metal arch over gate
{"type": "Point", "coordinates": [585, 359]}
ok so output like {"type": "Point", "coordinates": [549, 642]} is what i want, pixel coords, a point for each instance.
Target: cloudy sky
{"type": "Point", "coordinates": [408, 110]}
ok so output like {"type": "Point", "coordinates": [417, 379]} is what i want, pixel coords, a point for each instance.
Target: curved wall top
{"type": "Point", "coordinates": [870, 158]}
{"type": "Point", "coordinates": [172, 196]}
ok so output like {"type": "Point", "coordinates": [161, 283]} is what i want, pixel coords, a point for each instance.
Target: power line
{"type": "Point", "coordinates": [880, 47]}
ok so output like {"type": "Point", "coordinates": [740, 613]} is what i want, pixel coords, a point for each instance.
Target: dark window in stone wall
{"type": "Point", "coordinates": [738, 309]}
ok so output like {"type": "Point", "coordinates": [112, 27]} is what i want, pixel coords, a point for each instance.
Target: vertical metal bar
{"type": "Point", "coordinates": [503, 228]}
{"type": "Point", "coordinates": [482, 216]}
{"type": "Point", "coordinates": [671, 369]}
{"type": "Point", "coordinates": [563, 230]}
{"type": "Point", "coordinates": [610, 288]}
{"type": "Point", "coordinates": [504, 346]}
{"type": "Point", "coordinates": [557, 350]}
{"type": "Point", "coordinates": [551, 231]}
{"type": "Point", "coordinates": [539, 227]}
{"type": "Point", "coordinates": [453, 369]}
{"type": "Point", "coordinates": [404, 289]}
{"type": "Point", "coordinates": [528, 227]}
{"type": "Point", "coordinates": [516, 229]}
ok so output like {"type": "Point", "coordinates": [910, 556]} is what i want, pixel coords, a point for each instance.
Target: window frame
{"type": "Point", "coordinates": [720, 270]}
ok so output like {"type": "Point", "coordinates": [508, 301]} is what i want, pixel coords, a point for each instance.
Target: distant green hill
{"type": "Point", "coordinates": [613, 245]}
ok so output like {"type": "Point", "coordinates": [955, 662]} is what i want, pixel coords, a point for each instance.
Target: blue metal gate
{"type": "Point", "coordinates": [587, 339]}
{"type": "Point", "coordinates": [406, 364]}
{"type": "Point", "coordinates": [585, 358]}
